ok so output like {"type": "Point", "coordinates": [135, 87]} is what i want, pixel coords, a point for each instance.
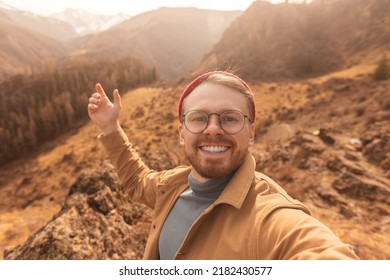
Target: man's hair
{"type": "Point", "coordinates": [224, 78]}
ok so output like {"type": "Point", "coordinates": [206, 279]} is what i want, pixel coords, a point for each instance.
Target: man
{"type": "Point", "coordinates": [219, 207]}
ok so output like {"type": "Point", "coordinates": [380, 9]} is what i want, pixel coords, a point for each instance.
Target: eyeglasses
{"type": "Point", "coordinates": [231, 122]}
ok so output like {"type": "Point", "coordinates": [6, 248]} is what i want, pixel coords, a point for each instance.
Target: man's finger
{"type": "Point", "coordinates": [94, 100]}
{"type": "Point", "coordinates": [100, 89]}
{"type": "Point", "coordinates": [92, 108]}
{"type": "Point", "coordinates": [117, 99]}
{"type": "Point", "coordinates": [96, 95]}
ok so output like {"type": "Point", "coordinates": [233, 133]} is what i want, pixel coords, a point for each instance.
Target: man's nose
{"type": "Point", "coordinates": [214, 126]}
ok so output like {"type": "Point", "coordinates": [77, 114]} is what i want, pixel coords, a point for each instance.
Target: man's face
{"type": "Point", "coordinates": [214, 153]}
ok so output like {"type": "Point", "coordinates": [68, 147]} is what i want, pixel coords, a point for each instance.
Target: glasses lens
{"type": "Point", "coordinates": [232, 121]}
{"type": "Point", "coordinates": [196, 121]}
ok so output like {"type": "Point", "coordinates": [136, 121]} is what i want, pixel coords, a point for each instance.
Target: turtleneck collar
{"type": "Point", "coordinates": [209, 189]}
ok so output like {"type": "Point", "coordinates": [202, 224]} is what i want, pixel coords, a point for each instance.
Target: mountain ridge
{"type": "Point", "coordinates": [293, 41]}
{"type": "Point", "coordinates": [172, 39]}
{"type": "Point", "coordinates": [48, 26]}
{"type": "Point", "coordinates": [15, 58]}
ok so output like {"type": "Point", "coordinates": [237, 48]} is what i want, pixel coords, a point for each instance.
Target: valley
{"type": "Point", "coordinates": [321, 78]}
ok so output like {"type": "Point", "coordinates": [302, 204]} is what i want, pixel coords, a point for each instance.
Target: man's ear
{"type": "Point", "coordinates": [181, 138]}
{"type": "Point", "coordinates": [252, 135]}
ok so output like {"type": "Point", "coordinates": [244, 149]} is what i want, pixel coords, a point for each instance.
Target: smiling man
{"type": "Point", "coordinates": [216, 128]}
{"type": "Point", "coordinates": [219, 207]}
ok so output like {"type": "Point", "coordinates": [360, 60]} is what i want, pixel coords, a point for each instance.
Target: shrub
{"type": "Point", "coordinates": [382, 70]}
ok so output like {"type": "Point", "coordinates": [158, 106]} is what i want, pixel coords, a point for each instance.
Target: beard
{"type": "Point", "coordinates": [214, 169]}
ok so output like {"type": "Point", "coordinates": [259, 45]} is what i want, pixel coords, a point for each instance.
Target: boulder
{"type": "Point", "coordinates": [96, 222]}
{"type": "Point", "coordinates": [362, 187]}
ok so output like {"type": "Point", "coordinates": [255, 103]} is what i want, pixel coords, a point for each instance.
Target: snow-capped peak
{"type": "Point", "coordinates": [85, 22]}
{"type": "Point", "coordinates": [7, 7]}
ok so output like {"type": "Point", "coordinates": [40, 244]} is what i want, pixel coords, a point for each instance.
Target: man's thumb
{"type": "Point", "coordinates": [117, 99]}
{"type": "Point", "coordinates": [100, 89]}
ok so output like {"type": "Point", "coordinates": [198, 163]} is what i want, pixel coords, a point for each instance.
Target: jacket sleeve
{"type": "Point", "coordinates": [139, 182]}
{"type": "Point", "coordinates": [293, 234]}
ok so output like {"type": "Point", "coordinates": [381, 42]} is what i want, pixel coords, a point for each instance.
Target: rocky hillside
{"type": "Point", "coordinates": [94, 223]}
{"type": "Point", "coordinates": [333, 153]}
{"type": "Point", "coordinates": [273, 42]}
{"type": "Point", "coordinates": [326, 140]}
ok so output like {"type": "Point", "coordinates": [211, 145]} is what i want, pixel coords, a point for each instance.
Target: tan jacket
{"type": "Point", "coordinates": [254, 218]}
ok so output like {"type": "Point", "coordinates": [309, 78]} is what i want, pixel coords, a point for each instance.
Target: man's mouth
{"type": "Point", "coordinates": [214, 149]}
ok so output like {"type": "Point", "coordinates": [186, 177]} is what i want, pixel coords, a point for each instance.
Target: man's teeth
{"type": "Point", "coordinates": [214, 149]}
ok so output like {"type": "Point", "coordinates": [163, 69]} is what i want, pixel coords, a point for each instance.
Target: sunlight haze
{"type": "Point", "coordinates": [44, 7]}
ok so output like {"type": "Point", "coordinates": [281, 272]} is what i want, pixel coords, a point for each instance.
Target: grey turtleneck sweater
{"type": "Point", "coordinates": [186, 210]}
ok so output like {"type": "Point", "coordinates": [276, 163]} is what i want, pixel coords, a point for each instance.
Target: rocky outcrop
{"type": "Point", "coordinates": [95, 222]}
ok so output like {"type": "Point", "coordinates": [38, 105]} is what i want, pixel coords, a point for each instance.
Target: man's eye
{"type": "Point", "coordinates": [229, 119]}
{"type": "Point", "coordinates": [198, 119]}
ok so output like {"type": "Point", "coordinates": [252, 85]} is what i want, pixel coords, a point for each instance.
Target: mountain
{"type": "Point", "coordinates": [23, 49]}
{"type": "Point", "coordinates": [29, 41]}
{"type": "Point", "coordinates": [65, 25]}
{"type": "Point", "coordinates": [51, 27]}
{"type": "Point", "coordinates": [288, 41]}
{"type": "Point", "coordinates": [172, 39]}
{"type": "Point", "coordinates": [84, 22]}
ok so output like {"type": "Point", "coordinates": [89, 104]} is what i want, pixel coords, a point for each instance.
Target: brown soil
{"type": "Point", "coordinates": [325, 140]}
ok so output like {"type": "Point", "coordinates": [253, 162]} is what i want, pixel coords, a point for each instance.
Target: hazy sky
{"type": "Point", "coordinates": [131, 7]}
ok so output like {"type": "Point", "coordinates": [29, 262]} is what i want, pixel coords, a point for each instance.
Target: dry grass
{"type": "Point", "coordinates": [35, 188]}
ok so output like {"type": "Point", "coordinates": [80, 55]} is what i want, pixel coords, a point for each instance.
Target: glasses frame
{"type": "Point", "coordinates": [219, 119]}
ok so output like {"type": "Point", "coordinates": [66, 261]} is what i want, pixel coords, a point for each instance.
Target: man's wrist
{"type": "Point", "coordinates": [111, 128]}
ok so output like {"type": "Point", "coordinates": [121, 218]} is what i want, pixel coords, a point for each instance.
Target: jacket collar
{"type": "Point", "coordinates": [237, 189]}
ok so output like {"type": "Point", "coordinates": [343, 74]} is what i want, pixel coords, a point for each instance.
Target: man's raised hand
{"type": "Point", "coordinates": [102, 111]}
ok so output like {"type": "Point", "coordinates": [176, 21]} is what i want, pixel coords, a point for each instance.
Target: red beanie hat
{"type": "Point", "coordinates": [203, 77]}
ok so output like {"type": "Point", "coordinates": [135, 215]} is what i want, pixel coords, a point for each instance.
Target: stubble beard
{"type": "Point", "coordinates": [215, 169]}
